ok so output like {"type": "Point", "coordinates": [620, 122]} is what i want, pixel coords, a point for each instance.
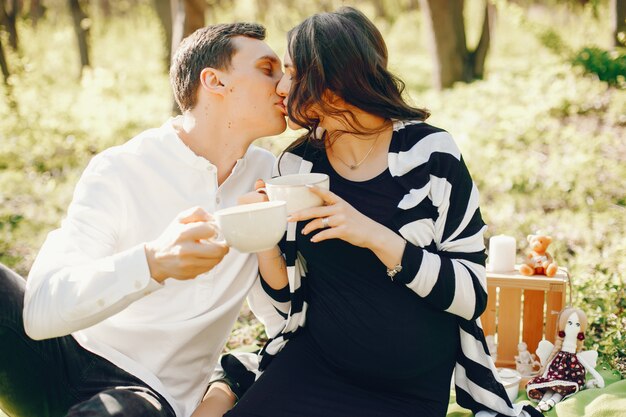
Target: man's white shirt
{"type": "Point", "coordinates": [91, 277]}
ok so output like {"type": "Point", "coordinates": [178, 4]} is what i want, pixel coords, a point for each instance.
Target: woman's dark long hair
{"type": "Point", "coordinates": [344, 53]}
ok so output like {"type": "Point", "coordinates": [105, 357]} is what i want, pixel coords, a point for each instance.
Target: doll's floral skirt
{"type": "Point", "coordinates": [566, 375]}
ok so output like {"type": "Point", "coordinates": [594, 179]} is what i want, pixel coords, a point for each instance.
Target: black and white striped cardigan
{"type": "Point", "coordinates": [443, 262]}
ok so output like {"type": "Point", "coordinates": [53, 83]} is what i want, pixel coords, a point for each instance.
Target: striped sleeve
{"type": "Point", "coordinates": [281, 297]}
{"type": "Point", "coordinates": [269, 311]}
{"type": "Point", "coordinates": [444, 259]}
{"type": "Point", "coordinates": [238, 370]}
{"type": "Point", "coordinates": [287, 163]}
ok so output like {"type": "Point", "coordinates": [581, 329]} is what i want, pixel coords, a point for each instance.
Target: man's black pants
{"type": "Point", "coordinates": [57, 377]}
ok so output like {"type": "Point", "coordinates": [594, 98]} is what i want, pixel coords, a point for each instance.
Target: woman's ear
{"type": "Point", "coordinates": [333, 99]}
{"type": "Point", "coordinates": [211, 81]}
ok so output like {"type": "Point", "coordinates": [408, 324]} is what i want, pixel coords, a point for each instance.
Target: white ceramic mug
{"type": "Point", "coordinates": [253, 227]}
{"type": "Point", "coordinates": [510, 379]}
{"type": "Point", "coordinates": [293, 190]}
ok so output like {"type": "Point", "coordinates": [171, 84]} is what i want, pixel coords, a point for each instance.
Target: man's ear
{"type": "Point", "coordinates": [211, 81]}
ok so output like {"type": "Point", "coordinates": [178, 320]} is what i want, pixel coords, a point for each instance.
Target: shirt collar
{"type": "Point", "coordinates": [174, 144]}
{"type": "Point", "coordinates": [178, 148]}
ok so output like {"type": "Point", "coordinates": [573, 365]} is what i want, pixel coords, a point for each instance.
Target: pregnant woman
{"type": "Point", "coordinates": [375, 294]}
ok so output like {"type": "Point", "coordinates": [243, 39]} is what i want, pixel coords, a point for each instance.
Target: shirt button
{"type": "Point", "coordinates": [137, 284]}
{"type": "Point", "coordinates": [218, 200]}
{"type": "Point", "coordinates": [100, 302]}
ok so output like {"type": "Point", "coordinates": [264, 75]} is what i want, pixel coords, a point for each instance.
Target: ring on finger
{"type": "Point", "coordinates": [325, 224]}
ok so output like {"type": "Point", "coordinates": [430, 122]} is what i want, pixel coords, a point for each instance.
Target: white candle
{"type": "Point", "coordinates": [501, 254]}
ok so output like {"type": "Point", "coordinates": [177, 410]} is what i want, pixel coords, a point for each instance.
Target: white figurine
{"type": "Point", "coordinates": [525, 361]}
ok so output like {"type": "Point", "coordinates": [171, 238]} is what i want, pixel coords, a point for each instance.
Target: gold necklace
{"type": "Point", "coordinates": [358, 164]}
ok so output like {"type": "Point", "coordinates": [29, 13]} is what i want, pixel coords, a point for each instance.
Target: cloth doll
{"type": "Point", "coordinates": [564, 364]}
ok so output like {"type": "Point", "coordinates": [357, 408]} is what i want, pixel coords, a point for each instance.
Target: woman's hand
{"type": "Point", "coordinates": [255, 196]}
{"type": "Point", "coordinates": [339, 220]}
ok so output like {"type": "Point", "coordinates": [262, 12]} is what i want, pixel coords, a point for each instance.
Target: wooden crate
{"type": "Point", "coordinates": [522, 308]}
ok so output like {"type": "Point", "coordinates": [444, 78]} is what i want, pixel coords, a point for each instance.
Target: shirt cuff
{"type": "Point", "coordinates": [411, 263]}
{"type": "Point", "coordinates": [106, 282]}
{"type": "Point", "coordinates": [133, 264]}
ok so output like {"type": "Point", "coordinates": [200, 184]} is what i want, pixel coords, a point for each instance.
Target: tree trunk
{"type": "Point", "coordinates": [478, 57]}
{"type": "Point", "coordinates": [105, 6]}
{"type": "Point", "coordinates": [188, 17]}
{"type": "Point", "coordinates": [194, 16]}
{"type": "Point", "coordinates": [8, 18]}
{"type": "Point", "coordinates": [36, 11]}
{"type": "Point", "coordinates": [444, 20]}
{"type": "Point", "coordinates": [81, 28]}
{"type": "Point", "coordinates": [3, 64]}
{"type": "Point", "coordinates": [164, 12]}
{"type": "Point", "coordinates": [618, 22]}
{"type": "Point", "coordinates": [453, 61]}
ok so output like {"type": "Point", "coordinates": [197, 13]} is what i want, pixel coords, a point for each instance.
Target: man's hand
{"type": "Point", "coordinates": [186, 248]}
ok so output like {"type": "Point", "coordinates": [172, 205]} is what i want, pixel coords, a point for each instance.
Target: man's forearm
{"type": "Point", "coordinates": [65, 299]}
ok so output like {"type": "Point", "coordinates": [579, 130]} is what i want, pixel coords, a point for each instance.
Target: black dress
{"type": "Point", "coordinates": [370, 347]}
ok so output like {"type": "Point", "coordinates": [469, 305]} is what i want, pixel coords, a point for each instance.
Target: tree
{"type": "Point", "coordinates": [8, 18]}
{"type": "Point", "coordinates": [105, 6]}
{"type": "Point", "coordinates": [36, 11]}
{"type": "Point", "coordinates": [188, 17]}
{"type": "Point", "coordinates": [3, 64]}
{"type": "Point", "coordinates": [453, 61]}
{"type": "Point", "coordinates": [179, 18]}
{"type": "Point", "coordinates": [618, 17]}
{"type": "Point", "coordinates": [164, 12]}
{"type": "Point", "coordinates": [81, 28]}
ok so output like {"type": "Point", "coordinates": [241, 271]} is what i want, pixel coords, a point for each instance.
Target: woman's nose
{"type": "Point", "coordinates": [282, 88]}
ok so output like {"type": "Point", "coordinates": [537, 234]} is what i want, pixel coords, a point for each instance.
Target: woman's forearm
{"type": "Point", "coordinates": [273, 268]}
{"type": "Point", "coordinates": [218, 400]}
{"type": "Point", "coordinates": [387, 245]}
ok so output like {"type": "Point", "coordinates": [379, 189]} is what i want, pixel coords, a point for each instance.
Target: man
{"type": "Point", "coordinates": [130, 301]}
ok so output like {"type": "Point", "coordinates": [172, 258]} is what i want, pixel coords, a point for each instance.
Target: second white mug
{"type": "Point", "coordinates": [293, 189]}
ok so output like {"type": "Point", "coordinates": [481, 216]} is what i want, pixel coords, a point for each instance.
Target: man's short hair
{"type": "Point", "coordinates": [210, 46]}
